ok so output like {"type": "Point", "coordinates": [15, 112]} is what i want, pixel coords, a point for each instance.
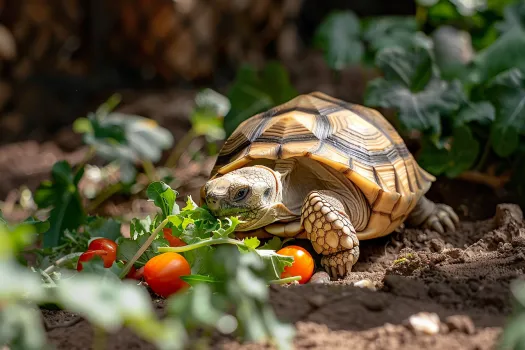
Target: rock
{"type": "Point", "coordinates": [460, 323]}
{"type": "Point", "coordinates": [425, 322]}
{"type": "Point", "coordinates": [366, 283]}
{"type": "Point", "coordinates": [505, 213]}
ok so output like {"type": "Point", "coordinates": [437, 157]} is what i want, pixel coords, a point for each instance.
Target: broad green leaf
{"type": "Point", "coordinates": [422, 110]}
{"type": "Point", "coordinates": [514, 16]}
{"type": "Point", "coordinates": [253, 92]}
{"type": "Point", "coordinates": [482, 112]}
{"type": "Point", "coordinates": [411, 66]}
{"type": "Point", "coordinates": [464, 150]}
{"type": "Point", "coordinates": [427, 3]}
{"type": "Point", "coordinates": [383, 32]}
{"type": "Point", "coordinates": [207, 117]}
{"type": "Point", "coordinates": [62, 194]}
{"type": "Point", "coordinates": [104, 228]}
{"type": "Point", "coordinates": [21, 327]}
{"type": "Point", "coordinates": [107, 303]}
{"type": "Point", "coordinates": [19, 282]}
{"type": "Point", "coordinates": [338, 37]}
{"type": "Point", "coordinates": [163, 197]}
{"type": "Point", "coordinates": [196, 308]}
{"type": "Point", "coordinates": [505, 53]}
{"type": "Point", "coordinates": [274, 263]}
{"type": "Point", "coordinates": [507, 92]}
{"type": "Point", "coordinates": [13, 239]}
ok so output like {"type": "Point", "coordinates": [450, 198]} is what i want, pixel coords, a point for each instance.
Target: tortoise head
{"type": "Point", "coordinates": [253, 193]}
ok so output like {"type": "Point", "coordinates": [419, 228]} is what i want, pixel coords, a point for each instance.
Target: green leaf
{"type": "Point", "coordinates": [384, 32]}
{"type": "Point", "coordinates": [61, 194]}
{"type": "Point", "coordinates": [482, 112]}
{"type": "Point", "coordinates": [253, 92]}
{"type": "Point", "coordinates": [252, 242]}
{"type": "Point", "coordinates": [107, 303]}
{"type": "Point", "coordinates": [13, 239]}
{"type": "Point", "coordinates": [273, 244]}
{"type": "Point", "coordinates": [163, 197]}
{"type": "Point", "coordinates": [21, 327]}
{"type": "Point", "coordinates": [104, 228]}
{"type": "Point", "coordinates": [421, 111]}
{"type": "Point", "coordinates": [464, 150]}
{"type": "Point", "coordinates": [274, 263]}
{"type": "Point", "coordinates": [82, 126]}
{"type": "Point", "coordinates": [507, 92]}
{"type": "Point", "coordinates": [412, 86]}
{"type": "Point", "coordinates": [505, 53]}
{"type": "Point", "coordinates": [453, 51]}
{"type": "Point", "coordinates": [514, 16]}
{"type": "Point", "coordinates": [338, 36]}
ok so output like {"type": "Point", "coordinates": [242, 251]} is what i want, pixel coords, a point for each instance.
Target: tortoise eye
{"type": "Point", "coordinates": [241, 194]}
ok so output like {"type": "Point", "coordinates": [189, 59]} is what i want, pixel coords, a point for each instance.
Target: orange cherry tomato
{"type": "Point", "coordinates": [90, 254]}
{"type": "Point", "coordinates": [173, 240]}
{"type": "Point", "coordinates": [303, 264]}
{"type": "Point", "coordinates": [162, 273]}
{"type": "Point", "coordinates": [104, 244]}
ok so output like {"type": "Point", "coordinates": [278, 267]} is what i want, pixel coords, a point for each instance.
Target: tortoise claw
{"type": "Point", "coordinates": [442, 219]}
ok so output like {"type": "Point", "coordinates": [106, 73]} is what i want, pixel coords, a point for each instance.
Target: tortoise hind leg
{"type": "Point", "coordinates": [332, 234]}
{"type": "Point", "coordinates": [428, 214]}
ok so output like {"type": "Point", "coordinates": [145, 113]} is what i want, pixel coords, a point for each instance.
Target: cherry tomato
{"type": "Point", "coordinates": [104, 244]}
{"type": "Point", "coordinates": [88, 255]}
{"type": "Point", "coordinates": [303, 264]}
{"type": "Point", "coordinates": [173, 240]}
{"type": "Point", "coordinates": [162, 273]}
{"type": "Point", "coordinates": [135, 274]}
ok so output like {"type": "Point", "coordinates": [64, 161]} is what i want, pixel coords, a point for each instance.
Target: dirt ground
{"type": "Point", "coordinates": [461, 276]}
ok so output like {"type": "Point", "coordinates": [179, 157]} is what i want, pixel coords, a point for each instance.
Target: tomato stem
{"type": "Point", "coordinates": [285, 280]}
{"type": "Point", "coordinates": [142, 249]}
{"type": "Point", "coordinates": [62, 261]}
{"type": "Point", "coordinates": [210, 241]}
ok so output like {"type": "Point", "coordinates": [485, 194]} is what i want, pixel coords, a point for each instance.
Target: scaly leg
{"type": "Point", "coordinates": [428, 214]}
{"type": "Point", "coordinates": [332, 234]}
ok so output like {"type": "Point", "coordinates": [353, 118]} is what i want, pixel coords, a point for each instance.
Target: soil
{"type": "Point", "coordinates": [461, 276]}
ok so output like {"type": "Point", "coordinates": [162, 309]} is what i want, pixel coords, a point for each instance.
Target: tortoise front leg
{"type": "Point", "coordinates": [332, 234]}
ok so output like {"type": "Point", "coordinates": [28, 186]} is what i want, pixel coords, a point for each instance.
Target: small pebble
{"type": "Point", "coordinates": [320, 277]}
{"type": "Point", "coordinates": [365, 284]}
{"type": "Point", "coordinates": [425, 322]}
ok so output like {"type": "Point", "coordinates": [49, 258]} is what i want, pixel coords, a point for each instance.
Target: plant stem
{"type": "Point", "coordinates": [62, 261]}
{"type": "Point", "coordinates": [104, 195]}
{"type": "Point", "coordinates": [149, 170]}
{"type": "Point", "coordinates": [484, 156]}
{"type": "Point", "coordinates": [285, 280]}
{"type": "Point", "coordinates": [179, 149]}
{"type": "Point", "coordinates": [142, 249]}
{"type": "Point", "coordinates": [204, 243]}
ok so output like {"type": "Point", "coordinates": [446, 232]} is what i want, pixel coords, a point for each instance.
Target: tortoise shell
{"type": "Point", "coordinates": [353, 139]}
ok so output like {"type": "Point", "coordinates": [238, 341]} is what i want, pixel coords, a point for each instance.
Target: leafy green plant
{"type": "Point", "coordinates": [253, 92]}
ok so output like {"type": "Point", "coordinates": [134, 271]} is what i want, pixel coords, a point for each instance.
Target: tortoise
{"type": "Point", "coordinates": [320, 168]}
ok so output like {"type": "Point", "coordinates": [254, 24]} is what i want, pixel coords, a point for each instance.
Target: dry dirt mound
{"type": "Point", "coordinates": [462, 277]}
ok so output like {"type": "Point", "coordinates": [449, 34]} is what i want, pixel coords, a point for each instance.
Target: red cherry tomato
{"type": "Point", "coordinates": [104, 244]}
{"type": "Point", "coordinates": [86, 256]}
{"type": "Point", "coordinates": [303, 264]}
{"type": "Point", "coordinates": [135, 274]}
{"type": "Point", "coordinates": [162, 273]}
{"type": "Point", "coordinates": [173, 240]}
